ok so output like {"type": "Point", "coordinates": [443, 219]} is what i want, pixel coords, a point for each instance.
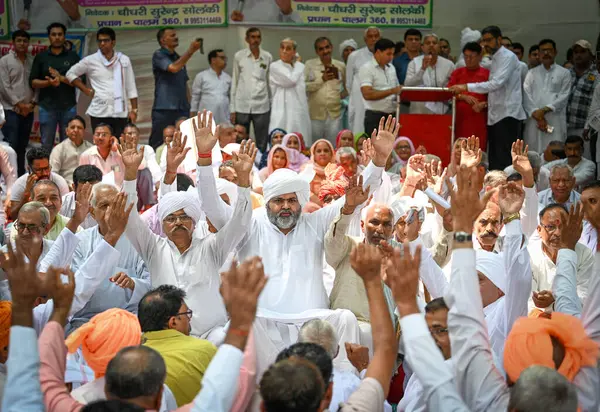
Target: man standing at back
{"type": "Point", "coordinates": [56, 95]}
{"type": "Point", "coordinates": [505, 99]}
{"type": "Point", "coordinates": [210, 90]}
{"type": "Point", "coordinates": [16, 96]}
{"type": "Point", "coordinates": [171, 94]}
{"type": "Point", "coordinates": [112, 83]}
{"type": "Point", "coordinates": [356, 106]}
{"type": "Point", "coordinates": [249, 102]}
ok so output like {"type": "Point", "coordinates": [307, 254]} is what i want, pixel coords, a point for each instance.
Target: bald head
{"type": "Point", "coordinates": [377, 223]}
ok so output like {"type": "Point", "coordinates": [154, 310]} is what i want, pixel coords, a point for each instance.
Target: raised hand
{"type": "Point", "coordinates": [116, 217]}
{"type": "Point", "coordinates": [26, 284]}
{"type": "Point", "coordinates": [383, 139]}
{"type": "Point", "coordinates": [572, 226]}
{"type": "Point", "coordinates": [367, 152]}
{"type": "Point", "coordinates": [436, 176]}
{"type": "Point", "coordinates": [82, 202]}
{"type": "Point", "coordinates": [520, 162]}
{"type": "Point", "coordinates": [366, 261]}
{"type": "Point", "coordinates": [60, 292]}
{"type": "Point", "coordinates": [176, 152]}
{"type": "Point", "coordinates": [240, 287]}
{"type": "Point", "coordinates": [470, 153]}
{"type": "Point", "coordinates": [415, 168]}
{"type": "Point", "coordinates": [403, 276]}
{"type": "Point", "coordinates": [131, 156]}
{"type": "Point", "coordinates": [202, 126]}
{"type": "Point", "coordinates": [355, 194]}
{"type": "Point", "coordinates": [466, 204]}
{"type": "Point", "coordinates": [243, 161]}
{"type": "Point", "coordinates": [510, 198]}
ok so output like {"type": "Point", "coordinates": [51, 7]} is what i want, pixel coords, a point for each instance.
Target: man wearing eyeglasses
{"type": "Point", "coordinates": [544, 256]}
{"type": "Point", "coordinates": [112, 83]}
{"type": "Point", "coordinates": [562, 188]}
{"type": "Point", "coordinates": [210, 90]}
{"type": "Point", "coordinates": [165, 319]}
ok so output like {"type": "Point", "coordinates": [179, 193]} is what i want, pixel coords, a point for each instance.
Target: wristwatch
{"type": "Point", "coordinates": [462, 237]}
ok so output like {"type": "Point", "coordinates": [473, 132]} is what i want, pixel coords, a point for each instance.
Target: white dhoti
{"type": "Point", "coordinates": [273, 335]}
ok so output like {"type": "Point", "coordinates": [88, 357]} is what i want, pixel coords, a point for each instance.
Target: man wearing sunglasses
{"type": "Point", "coordinates": [112, 84]}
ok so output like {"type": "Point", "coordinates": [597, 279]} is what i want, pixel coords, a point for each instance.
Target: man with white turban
{"type": "Point", "coordinates": [291, 246]}
{"type": "Point", "coordinates": [346, 48]}
{"type": "Point", "coordinates": [185, 259]}
{"type": "Point", "coordinates": [467, 35]}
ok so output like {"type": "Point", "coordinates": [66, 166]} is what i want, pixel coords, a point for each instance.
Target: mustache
{"type": "Point", "coordinates": [180, 227]}
{"type": "Point", "coordinates": [489, 234]}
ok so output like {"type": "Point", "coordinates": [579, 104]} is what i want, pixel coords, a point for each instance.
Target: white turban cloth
{"type": "Point", "coordinates": [401, 205]}
{"type": "Point", "coordinates": [467, 35]}
{"type": "Point", "coordinates": [491, 265]}
{"type": "Point", "coordinates": [284, 181]}
{"type": "Point", "coordinates": [346, 43]}
{"type": "Point", "coordinates": [225, 187]}
{"type": "Point", "coordinates": [174, 201]}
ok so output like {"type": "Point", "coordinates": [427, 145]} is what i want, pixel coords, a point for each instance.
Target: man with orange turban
{"type": "Point", "coordinates": [5, 315]}
{"type": "Point", "coordinates": [100, 339]}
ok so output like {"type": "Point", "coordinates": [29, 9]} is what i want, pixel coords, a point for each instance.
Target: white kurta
{"type": "Point", "coordinates": [546, 88]}
{"type": "Point", "coordinates": [196, 270]}
{"type": "Point", "coordinates": [437, 76]}
{"type": "Point", "coordinates": [356, 105]}
{"type": "Point", "coordinates": [289, 105]}
{"type": "Point", "coordinates": [544, 271]}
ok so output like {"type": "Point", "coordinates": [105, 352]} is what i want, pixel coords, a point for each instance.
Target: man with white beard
{"type": "Point", "coordinates": [291, 246]}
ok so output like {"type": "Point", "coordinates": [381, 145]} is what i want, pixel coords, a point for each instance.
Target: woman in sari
{"type": "Point", "coordinates": [344, 138]}
{"type": "Point", "coordinates": [295, 145]}
{"type": "Point", "coordinates": [275, 137]}
{"type": "Point", "coordinates": [403, 150]}
{"type": "Point", "coordinates": [321, 155]}
{"type": "Point", "coordinates": [279, 158]}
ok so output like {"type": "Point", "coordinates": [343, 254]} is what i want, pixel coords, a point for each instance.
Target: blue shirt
{"type": "Point", "coordinates": [22, 390]}
{"type": "Point", "coordinates": [170, 89]}
{"type": "Point", "coordinates": [401, 65]}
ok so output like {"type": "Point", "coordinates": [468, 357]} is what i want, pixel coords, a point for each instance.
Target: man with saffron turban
{"type": "Point", "coordinates": [183, 259]}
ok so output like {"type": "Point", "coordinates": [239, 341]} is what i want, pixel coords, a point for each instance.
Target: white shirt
{"type": "Point", "coordinates": [210, 91]}
{"type": "Point", "coordinates": [356, 104]}
{"type": "Point", "coordinates": [94, 391]}
{"type": "Point", "coordinates": [64, 157]}
{"type": "Point", "coordinates": [584, 171]}
{"type": "Point", "coordinates": [524, 69]}
{"type": "Point", "coordinates": [151, 163]}
{"type": "Point", "coordinates": [68, 210]}
{"type": "Point", "coordinates": [593, 119]}
{"type": "Point", "coordinates": [504, 88]}
{"type": "Point", "coordinates": [260, 12]}
{"type": "Point", "coordinates": [196, 270]}
{"type": "Point", "coordinates": [101, 80]}
{"type": "Point", "coordinates": [42, 12]}
{"type": "Point", "coordinates": [545, 198]}
{"type": "Point", "coordinates": [431, 386]}
{"type": "Point", "coordinates": [18, 187]}
{"type": "Point", "coordinates": [295, 289]}
{"type": "Point", "coordinates": [250, 84]}
{"type": "Point", "coordinates": [379, 78]}
{"type": "Point", "coordinates": [289, 103]}
{"type": "Point", "coordinates": [437, 76]}
{"type": "Point", "coordinates": [546, 88]}
{"type": "Point", "coordinates": [544, 270]}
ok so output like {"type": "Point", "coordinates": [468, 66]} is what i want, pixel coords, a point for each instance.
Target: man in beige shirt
{"type": "Point", "coordinates": [325, 79]}
{"type": "Point", "coordinates": [64, 158]}
{"type": "Point", "coordinates": [348, 288]}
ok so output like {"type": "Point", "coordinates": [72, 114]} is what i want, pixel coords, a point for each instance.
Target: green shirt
{"type": "Point", "coordinates": [186, 358]}
{"type": "Point", "coordinates": [54, 98]}
{"type": "Point", "coordinates": [59, 224]}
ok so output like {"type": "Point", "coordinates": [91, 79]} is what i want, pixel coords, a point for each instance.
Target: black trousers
{"type": "Point", "coordinates": [162, 119]}
{"type": "Point", "coordinates": [261, 127]}
{"type": "Point", "coordinates": [372, 119]}
{"type": "Point", "coordinates": [501, 136]}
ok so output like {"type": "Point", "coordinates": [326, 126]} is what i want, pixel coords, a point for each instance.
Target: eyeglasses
{"type": "Point", "coordinates": [549, 228]}
{"type": "Point", "coordinates": [438, 331]}
{"type": "Point", "coordinates": [173, 219]}
{"type": "Point", "coordinates": [100, 41]}
{"type": "Point", "coordinates": [189, 314]}
{"type": "Point", "coordinates": [102, 134]}
{"type": "Point", "coordinates": [32, 228]}
{"type": "Point", "coordinates": [559, 181]}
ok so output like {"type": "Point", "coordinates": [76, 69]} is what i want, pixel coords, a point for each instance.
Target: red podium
{"type": "Point", "coordinates": [434, 131]}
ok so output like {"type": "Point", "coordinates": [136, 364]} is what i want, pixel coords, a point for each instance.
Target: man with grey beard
{"type": "Point", "coordinates": [185, 259]}
{"type": "Point", "coordinates": [291, 245]}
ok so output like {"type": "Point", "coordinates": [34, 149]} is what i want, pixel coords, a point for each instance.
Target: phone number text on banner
{"type": "Point", "coordinates": [132, 14]}
{"type": "Point", "coordinates": [348, 13]}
